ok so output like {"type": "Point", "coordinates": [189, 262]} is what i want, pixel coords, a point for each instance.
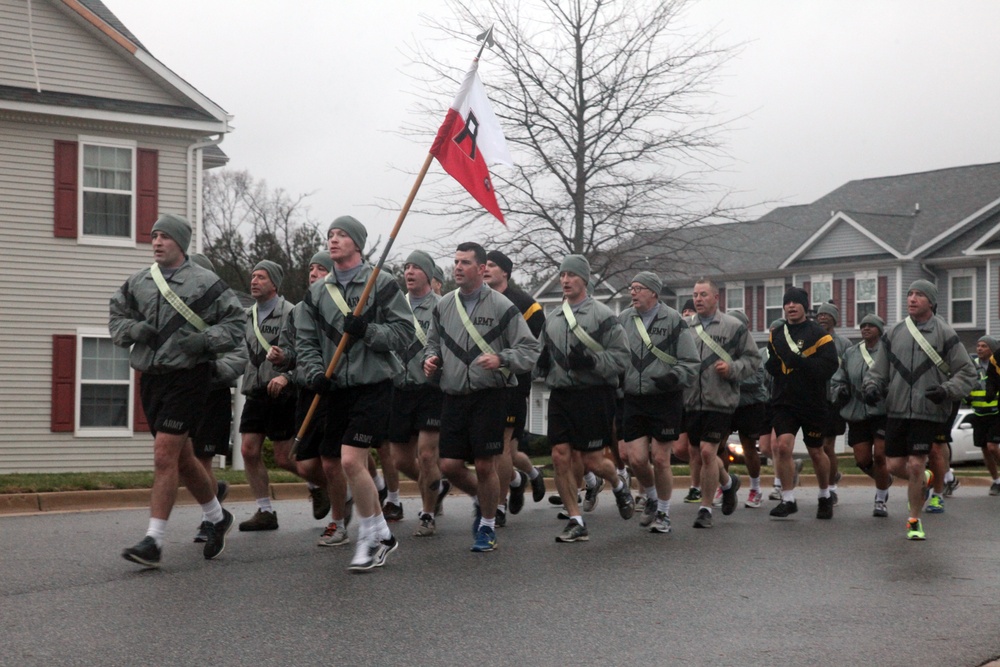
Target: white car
{"type": "Point", "coordinates": [963, 449]}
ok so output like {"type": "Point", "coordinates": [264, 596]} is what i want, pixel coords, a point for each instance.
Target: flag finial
{"type": "Point", "coordinates": [486, 37]}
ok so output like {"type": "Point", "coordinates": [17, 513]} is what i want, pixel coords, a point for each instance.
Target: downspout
{"type": "Point", "coordinates": [194, 208]}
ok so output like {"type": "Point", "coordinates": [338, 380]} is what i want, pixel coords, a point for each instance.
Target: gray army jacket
{"type": "Point", "coordinates": [851, 374]}
{"type": "Point", "coordinates": [260, 371]}
{"type": "Point", "coordinates": [600, 322]}
{"type": "Point", "coordinates": [670, 333]}
{"type": "Point", "coordinates": [710, 391]}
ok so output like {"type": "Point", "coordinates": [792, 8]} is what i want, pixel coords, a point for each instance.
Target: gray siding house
{"type": "Point", "coordinates": [96, 138]}
{"type": "Point", "coordinates": [859, 246]}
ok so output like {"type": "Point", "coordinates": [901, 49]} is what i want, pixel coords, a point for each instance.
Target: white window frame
{"type": "Point", "coordinates": [780, 283]}
{"type": "Point", "coordinates": [102, 431]}
{"type": "Point", "coordinates": [736, 288]}
{"type": "Point", "coordinates": [97, 239]}
{"type": "Point", "coordinates": [815, 280]}
{"type": "Point", "coordinates": [858, 277]}
{"type": "Point", "coordinates": [961, 273]}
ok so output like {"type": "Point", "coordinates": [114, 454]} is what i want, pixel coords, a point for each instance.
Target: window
{"type": "Point", "coordinates": [734, 297]}
{"type": "Point", "coordinates": [822, 291]}
{"type": "Point", "coordinates": [106, 191]}
{"type": "Point", "coordinates": [774, 293]}
{"type": "Point", "coordinates": [105, 384]}
{"type": "Point", "coordinates": [962, 293]}
{"type": "Point", "coordinates": [866, 295]}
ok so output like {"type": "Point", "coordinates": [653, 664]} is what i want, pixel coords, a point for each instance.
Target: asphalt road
{"type": "Point", "coordinates": [750, 591]}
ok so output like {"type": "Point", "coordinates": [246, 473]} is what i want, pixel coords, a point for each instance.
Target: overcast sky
{"type": "Point", "coordinates": [824, 91]}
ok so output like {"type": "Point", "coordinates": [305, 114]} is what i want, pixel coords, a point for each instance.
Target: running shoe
{"type": "Point", "coordinates": [444, 486]}
{"type": "Point", "coordinates": [951, 487]}
{"type": "Point", "coordinates": [662, 524]}
{"type": "Point", "coordinates": [392, 512]}
{"type": "Point", "coordinates": [995, 489]}
{"type": "Point", "coordinates": [261, 520]}
{"type": "Point", "coordinates": [573, 532]}
{"type": "Point", "coordinates": [784, 509]}
{"type": "Point", "coordinates": [516, 502]}
{"type": "Point", "coordinates": [754, 498]}
{"type": "Point", "coordinates": [729, 497]}
{"type": "Point", "coordinates": [202, 535]}
{"type": "Point", "coordinates": [880, 510]}
{"type": "Point", "coordinates": [145, 553]}
{"type": "Point", "coordinates": [915, 530]}
{"type": "Point", "coordinates": [371, 553]}
{"type": "Point", "coordinates": [501, 518]}
{"type": "Point", "coordinates": [928, 481]}
{"type": "Point", "coordinates": [824, 508]}
{"type": "Point", "coordinates": [717, 498]}
{"type": "Point", "coordinates": [333, 536]}
{"type": "Point", "coordinates": [216, 542]}
{"type": "Point", "coordinates": [320, 502]}
{"type": "Point", "coordinates": [383, 493]}
{"type": "Point", "coordinates": [591, 496]}
{"type": "Point", "coordinates": [798, 471]}
{"type": "Point", "coordinates": [775, 493]}
{"type": "Point", "coordinates": [648, 514]}
{"type": "Point", "coordinates": [693, 496]}
{"type": "Point", "coordinates": [935, 505]}
{"type": "Point", "coordinates": [623, 498]}
{"type": "Point", "coordinates": [221, 489]}
{"type": "Point", "coordinates": [426, 527]}
{"type": "Point", "coordinates": [486, 540]}
{"type": "Point", "coordinates": [704, 518]}
{"type": "Point", "coordinates": [477, 517]}
{"type": "Point", "coordinates": [538, 486]}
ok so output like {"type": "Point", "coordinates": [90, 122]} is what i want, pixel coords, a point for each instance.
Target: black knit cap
{"type": "Point", "coordinates": [797, 295]}
{"type": "Point", "coordinates": [501, 260]}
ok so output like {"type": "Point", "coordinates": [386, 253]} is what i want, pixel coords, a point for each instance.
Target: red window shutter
{"type": "Point", "coordinates": [139, 423]}
{"type": "Point", "coordinates": [722, 299]}
{"type": "Point", "coordinates": [147, 193]}
{"type": "Point", "coordinates": [850, 302]}
{"type": "Point", "coordinates": [66, 185]}
{"type": "Point", "coordinates": [807, 286]}
{"type": "Point", "coordinates": [837, 299]}
{"type": "Point", "coordinates": [883, 298]}
{"type": "Point", "coordinates": [760, 309]}
{"type": "Point", "coordinates": [63, 417]}
{"type": "Point", "coordinates": [748, 304]}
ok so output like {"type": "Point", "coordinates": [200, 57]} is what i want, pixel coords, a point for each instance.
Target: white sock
{"type": "Point", "coordinates": [393, 497]}
{"type": "Point", "coordinates": [380, 528]}
{"type": "Point", "coordinates": [366, 526]}
{"type": "Point", "coordinates": [157, 529]}
{"type": "Point", "coordinates": [619, 486]}
{"type": "Point", "coordinates": [212, 510]}
{"type": "Point", "coordinates": [824, 493]}
{"type": "Point", "coordinates": [663, 506]}
{"type": "Point", "coordinates": [728, 485]}
{"type": "Point", "coordinates": [311, 486]}
{"type": "Point", "coordinates": [516, 482]}
{"type": "Point", "coordinates": [949, 476]}
{"type": "Point", "coordinates": [788, 496]}
{"type": "Point", "coordinates": [755, 483]}
{"type": "Point", "coordinates": [488, 523]}
{"type": "Point", "coordinates": [502, 507]}
{"type": "Point", "coordinates": [590, 479]}
{"type": "Point", "coordinates": [622, 471]}
{"type": "Point", "coordinates": [379, 482]}
{"type": "Point", "coordinates": [264, 505]}
{"type": "Point", "coordinates": [882, 494]}
{"type": "Point", "coordinates": [651, 494]}
{"type": "Point", "coordinates": [578, 518]}
{"type": "Point", "coordinates": [534, 473]}
{"type": "Point", "coordinates": [833, 487]}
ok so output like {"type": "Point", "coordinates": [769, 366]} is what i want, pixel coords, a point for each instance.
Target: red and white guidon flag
{"type": "Point", "coordinates": [470, 139]}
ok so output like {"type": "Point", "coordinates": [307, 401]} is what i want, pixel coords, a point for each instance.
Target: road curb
{"type": "Point", "coordinates": [81, 501]}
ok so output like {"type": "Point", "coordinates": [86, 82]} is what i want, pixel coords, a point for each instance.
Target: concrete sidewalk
{"type": "Point", "coordinates": [76, 501]}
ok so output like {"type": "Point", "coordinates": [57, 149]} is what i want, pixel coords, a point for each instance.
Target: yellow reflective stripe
{"type": "Point", "coordinates": [256, 329]}
{"type": "Point", "coordinates": [338, 299]}
{"type": "Point", "coordinates": [578, 331]}
{"type": "Point", "coordinates": [534, 308]}
{"type": "Point", "coordinates": [865, 354]}
{"type": "Point", "coordinates": [820, 343]}
{"type": "Point", "coordinates": [480, 342]}
{"type": "Point", "coordinates": [174, 300]}
{"type": "Point", "coordinates": [927, 347]}
{"type": "Point", "coordinates": [657, 352]}
{"type": "Point", "coordinates": [712, 345]}
{"type": "Point", "coordinates": [421, 335]}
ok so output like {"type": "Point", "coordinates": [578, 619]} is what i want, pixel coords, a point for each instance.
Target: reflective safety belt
{"type": "Point", "coordinates": [480, 342]}
{"type": "Point", "coordinates": [865, 354]}
{"type": "Point", "coordinates": [174, 300]}
{"type": "Point", "coordinates": [256, 330]}
{"type": "Point", "coordinates": [795, 348]}
{"type": "Point", "coordinates": [578, 331]}
{"type": "Point", "coordinates": [712, 345]}
{"type": "Point", "coordinates": [338, 299]}
{"type": "Point", "coordinates": [421, 335]}
{"type": "Point", "coordinates": [657, 352]}
{"type": "Point", "coordinates": [928, 349]}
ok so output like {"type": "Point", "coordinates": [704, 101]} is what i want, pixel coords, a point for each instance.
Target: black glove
{"type": "Point", "coordinates": [579, 360]}
{"type": "Point", "coordinates": [192, 342]}
{"type": "Point", "coordinates": [843, 397]}
{"type": "Point", "coordinates": [142, 332]}
{"type": "Point", "coordinates": [872, 396]}
{"type": "Point", "coordinates": [669, 382]}
{"type": "Point", "coordinates": [355, 326]}
{"type": "Point", "coordinates": [936, 395]}
{"type": "Point", "coordinates": [320, 384]}
{"type": "Point", "coordinates": [544, 362]}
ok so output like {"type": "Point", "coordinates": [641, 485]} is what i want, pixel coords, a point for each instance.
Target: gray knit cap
{"type": "Point", "coordinates": [741, 316]}
{"type": "Point", "coordinates": [202, 261]}
{"type": "Point", "coordinates": [354, 229]}
{"type": "Point", "coordinates": [927, 288]}
{"type": "Point", "coordinates": [275, 272]}
{"type": "Point", "coordinates": [874, 320]}
{"type": "Point", "coordinates": [422, 261]}
{"type": "Point", "coordinates": [176, 228]}
{"type": "Point", "coordinates": [830, 310]}
{"type": "Point", "coordinates": [990, 341]}
{"type": "Point", "coordinates": [576, 264]}
{"type": "Point", "coordinates": [439, 274]}
{"type": "Point", "coordinates": [650, 280]}
{"type": "Point", "coordinates": [776, 323]}
{"type": "Point", "coordinates": [323, 259]}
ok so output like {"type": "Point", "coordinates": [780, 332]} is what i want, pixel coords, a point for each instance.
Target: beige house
{"type": "Point", "coordinates": [96, 138]}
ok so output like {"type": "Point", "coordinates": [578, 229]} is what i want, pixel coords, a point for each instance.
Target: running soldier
{"type": "Point", "coordinates": [983, 400]}
{"type": "Point", "coordinates": [921, 368]}
{"type": "Point", "coordinates": [176, 317]}
{"type": "Point", "coordinates": [828, 317]}
{"type": "Point", "coordinates": [584, 353]}
{"type": "Point", "coordinates": [750, 422]}
{"type": "Point", "coordinates": [478, 342]}
{"type": "Point", "coordinates": [727, 355]}
{"type": "Point", "coordinates": [514, 467]}
{"type": "Point", "coordinates": [361, 386]}
{"type": "Point", "coordinates": [802, 358]}
{"type": "Point", "coordinates": [663, 362]}
{"type": "Point", "coordinates": [866, 433]}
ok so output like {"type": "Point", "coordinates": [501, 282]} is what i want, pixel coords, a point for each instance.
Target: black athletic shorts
{"type": "Point", "coordinates": [414, 410]}
{"type": "Point", "coordinates": [706, 426]}
{"type": "Point", "coordinates": [866, 430]}
{"type": "Point", "coordinates": [357, 417]}
{"type": "Point", "coordinates": [311, 445]}
{"type": "Point", "coordinates": [835, 424]}
{"type": "Point", "coordinates": [274, 417]}
{"type": "Point", "coordinates": [656, 416]}
{"type": "Point", "coordinates": [517, 411]}
{"type": "Point", "coordinates": [904, 437]}
{"type": "Point", "coordinates": [750, 421]}
{"type": "Point", "coordinates": [472, 425]}
{"type": "Point", "coordinates": [985, 429]}
{"type": "Point", "coordinates": [212, 436]}
{"type": "Point", "coordinates": [174, 402]}
{"type": "Point", "coordinates": [582, 418]}
{"type": "Point", "coordinates": [788, 421]}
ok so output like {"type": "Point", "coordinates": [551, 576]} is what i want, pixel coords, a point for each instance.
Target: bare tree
{"type": "Point", "coordinates": [605, 105]}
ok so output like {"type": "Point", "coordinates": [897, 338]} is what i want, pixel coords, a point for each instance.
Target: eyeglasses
{"type": "Point", "coordinates": [637, 288]}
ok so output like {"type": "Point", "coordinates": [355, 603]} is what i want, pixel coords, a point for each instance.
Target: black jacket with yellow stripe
{"type": "Point", "coordinates": [800, 378]}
